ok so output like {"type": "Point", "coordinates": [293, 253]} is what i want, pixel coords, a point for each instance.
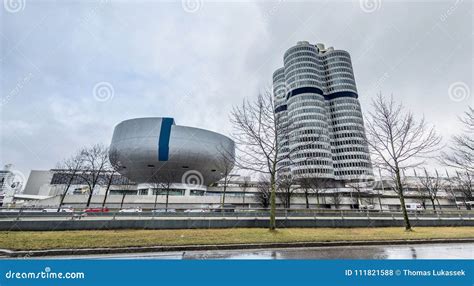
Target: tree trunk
{"type": "Point", "coordinates": [63, 196]}
{"type": "Point", "coordinates": [380, 202]}
{"type": "Point", "coordinates": [223, 194]}
{"type": "Point", "coordinates": [65, 192]}
{"type": "Point", "coordinates": [272, 202]}
{"type": "Point", "coordinates": [105, 197]}
{"type": "Point", "coordinates": [468, 206]}
{"type": "Point", "coordinates": [91, 191]}
{"type": "Point", "coordinates": [306, 198]}
{"type": "Point", "coordinates": [433, 203]}
{"type": "Point", "coordinates": [288, 199]}
{"type": "Point", "coordinates": [167, 197]}
{"type": "Point", "coordinates": [402, 199]}
{"type": "Point", "coordinates": [156, 198]}
{"type": "Point", "coordinates": [107, 189]}
{"type": "Point", "coordinates": [123, 199]}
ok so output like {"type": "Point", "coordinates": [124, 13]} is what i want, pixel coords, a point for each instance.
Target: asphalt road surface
{"type": "Point", "coordinates": [415, 251]}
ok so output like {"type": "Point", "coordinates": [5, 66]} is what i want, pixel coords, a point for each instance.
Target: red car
{"type": "Point", "coordinates": [96, 210]}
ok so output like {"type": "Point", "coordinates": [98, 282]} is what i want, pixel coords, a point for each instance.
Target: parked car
{"type": "Point", "coordinates": [196, 211]}
{"type": "Point", "coordinates": [131, 210]}
{"type": "Point", "coordinates": [9, 210]}
{"type": "Point", "coordinates": [96, 210]}
{"type": "Point", "coordinates": [414, 207]}
{"type": "Point", "coordinates": [31, 210]}
{"type": "Point", "coordinates": [55, 210]}
{"type": "Point", "coordinates": [163, 211]}
{"type": "Point", "coordinates": [225, 210]}
{"type": "Point", "coordinates": [366, 207]}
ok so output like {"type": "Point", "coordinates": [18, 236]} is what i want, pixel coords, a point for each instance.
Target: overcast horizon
{"type": "Point", "coordinates": [71, 71]}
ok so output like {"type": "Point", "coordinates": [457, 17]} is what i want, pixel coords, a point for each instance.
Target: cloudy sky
{"type": "Point", "coordinates": [71, 70]}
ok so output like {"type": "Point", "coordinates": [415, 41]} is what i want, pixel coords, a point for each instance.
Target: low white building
{"type": "Point", "coordinates": [45, 189]}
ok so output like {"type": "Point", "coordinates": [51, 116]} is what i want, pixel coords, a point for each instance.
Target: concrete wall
{"type": "Point", "coordinates": [37, 225]}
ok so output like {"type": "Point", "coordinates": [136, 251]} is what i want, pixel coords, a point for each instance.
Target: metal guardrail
{"type": "Point", "coordinates": [244, 213]}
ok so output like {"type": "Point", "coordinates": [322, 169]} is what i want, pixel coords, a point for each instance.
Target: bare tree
{"type": "Point", "coordinates": [464, 183]}
{"type": "Point", "coordinates": [110, 172]}
{"type": "Point", "coordinates": [450, 190]}
{"type": "Point", "coordinates": [336, 199]}
{"type": "Point", "coordinates": [162, 181]}
{"type": "Point", "coordinates": [124, 193]}
{"type": "Point", "coordinates": [68, 170]}
{"type": "Point", "coordinates": [95, 162]}
{"type": "Point", "coordinates": [244, 186]}
{"type": "Point", "coordinates": [431, 186]}
{"type": "Point", "coordinates": [422, 195]}
{"type": "Point", "coordinates": [286, 190]}
{"type": "Point", "coordinates": [126, 188]}
{"type": "Point", "coordinates": [360, 187]}
{"type": "Point", "coordinates": [166, 184]}
{"type": "Point", "coordinates": [257, 130]}
{"type": "Point", "coordinates": [318, 187]}
{"type": "Point", "coordinates": [306, 185]}
{"type": "Point", "coordinates": [368, 200]}
{"type": "Point", "coordinates": [263, 193]}
{"type": "Point", "coordinates": [398, 141]}
{"type": "Point", "coordinates": [225, 163]}
{"type": "Point", "coordinates": [461, 155]}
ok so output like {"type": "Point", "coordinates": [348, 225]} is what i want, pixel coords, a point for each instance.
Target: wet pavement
{"type": "Point", "coordinates": [413, 251]}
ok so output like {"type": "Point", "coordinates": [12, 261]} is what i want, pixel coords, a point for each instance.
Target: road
{"type": "Point", "coordinates": [415, 251]}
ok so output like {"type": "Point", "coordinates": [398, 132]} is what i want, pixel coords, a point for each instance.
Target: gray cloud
{"type": "Point", "coordinates": [163, 60]}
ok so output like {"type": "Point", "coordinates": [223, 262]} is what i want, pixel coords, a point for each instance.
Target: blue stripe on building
{"type": "Point", "coordinates": [301, 90]}
{"type": "Point", "coordinates": [280, 108]}
{"type": "Point", "coordinates": [164, 140]}
{"type": "Point", "coordinates": [341, 94]}
{"type": "Point", "coordinates": [308, 89]}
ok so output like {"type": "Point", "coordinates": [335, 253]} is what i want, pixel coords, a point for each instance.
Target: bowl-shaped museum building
{"type": "Point", "coordinates": [156, 150]}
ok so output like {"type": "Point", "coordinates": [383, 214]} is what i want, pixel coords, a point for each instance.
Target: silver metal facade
{"type": "Point", "coordinates": [192, 152]}
{"type": "Point", "coordinates": [317, 102]}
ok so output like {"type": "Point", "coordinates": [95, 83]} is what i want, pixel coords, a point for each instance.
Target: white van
{"type": "Point", "coordinates": [414, 207]}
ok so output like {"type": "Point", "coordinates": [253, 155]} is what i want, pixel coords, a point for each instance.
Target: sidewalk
{"type": "Point", "coordinates": [5, 253]}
